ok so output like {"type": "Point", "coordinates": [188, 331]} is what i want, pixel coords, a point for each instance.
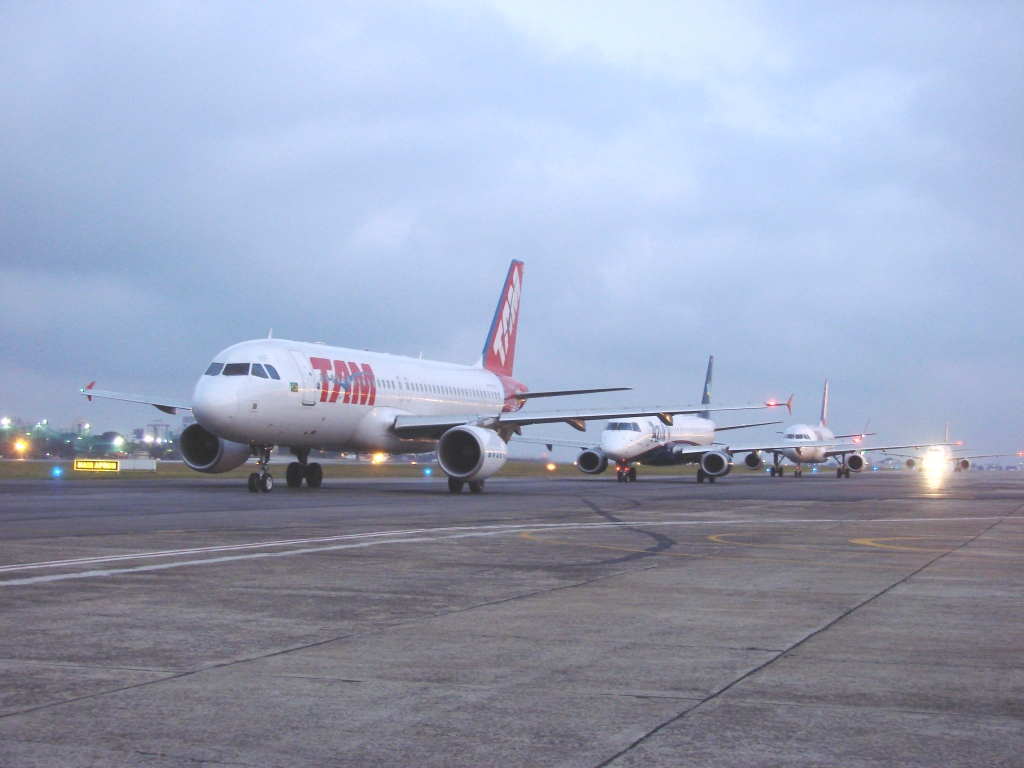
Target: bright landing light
{"type": "Point", "coordinates": [933, 462]}
{"type": "Point", "coordinates": [19, 446]}
{"type": "Point", "coordinates": [551, 467]}
{"type": "Point", "coordinates": [379, 458]}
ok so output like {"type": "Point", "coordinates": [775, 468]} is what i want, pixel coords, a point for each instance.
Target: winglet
{"type": "Point", "coordinates": [89, 386]}
{"type": "Point", "coordinates": [789, 405]}
{"type": "Point", "coordinates": [706, 395]}
{"type": "Point", "coordinates": [776, 404]}
{"type": "Point", "coordinates": [500, 347]}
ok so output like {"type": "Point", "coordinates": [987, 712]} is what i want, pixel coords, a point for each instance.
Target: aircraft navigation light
{"type": "Point", "coordinates": [551, 467]}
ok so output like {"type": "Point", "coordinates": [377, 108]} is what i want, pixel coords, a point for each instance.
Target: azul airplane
{"type": "Point", "coordinates": [651, 441]}
{"type": "Point", "coordinates": [272, 392]}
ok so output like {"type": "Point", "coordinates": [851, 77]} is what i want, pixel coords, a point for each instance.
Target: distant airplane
{"type": "Point", "coordinates": [268, 392]}
{"type": "Point", "coordinates": [651, 442]}
{"type": "Point", "coordinates": [942, 457]}
{"type": "Point", "coordinates": [807, 444]}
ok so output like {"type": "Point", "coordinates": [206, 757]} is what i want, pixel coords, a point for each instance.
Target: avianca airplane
{"type": "Point", "coordinates": [807, 444]}
{"type": "Point", "coordinates": [272, 392]}
{"type": "Point", "coordinates": [940, 457]}
{"type": "Point", "coordinates": [687, 440]}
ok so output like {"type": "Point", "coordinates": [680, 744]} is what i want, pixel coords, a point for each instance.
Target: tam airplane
{"type": "Point", "coordinates": [269, 392]}
{"type": "Point", "coordinates": [651, 441]}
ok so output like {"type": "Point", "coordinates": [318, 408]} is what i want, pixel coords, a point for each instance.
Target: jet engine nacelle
{"type": "Point", "coordinates": [716, 463]}
{"type": "Point", "coordinates": [963, 464]}
{"type": "Point", "coordinates": [592, 461]}
{"type": "Point", "coordinates": [471, 453]}
{"type": "Point", "coordinates": [911, 463]}
{"type": "Point", "coordinates": [753, 461]}
{"type": "Point", "coordinates": [205, 452]}
{"type": "Point", "coordinates": [855, 462]}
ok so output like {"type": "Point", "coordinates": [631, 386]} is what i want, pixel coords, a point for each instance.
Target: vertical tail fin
{"type": "Point", "coordinates": [824, 406]}
{"type": "Point", "coordinates": [706, 397]}
{"type": "Point", "coordinates": [500, 347]}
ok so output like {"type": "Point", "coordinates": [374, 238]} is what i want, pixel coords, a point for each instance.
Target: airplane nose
{"type": "Point", "coordinates": [613, 445]}
{"type": "Point", "coordinates": [214, 403]}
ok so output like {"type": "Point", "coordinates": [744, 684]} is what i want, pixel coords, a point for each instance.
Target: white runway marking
{"type": "Point", "coordinates": [375, 538]}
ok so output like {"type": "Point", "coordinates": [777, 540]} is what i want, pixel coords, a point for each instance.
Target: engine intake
{"type": "Point", "coordinates": [592, 461]}
{"type": "Point", "coordinates": [753, 461]}
{"type": "Point", "coordinates": [855, 462]}
{"type": "Point", "coordinates": [471, 453]}
{"type": "Point", "coordinates": [205, 452]}
{"type": "Point", "coordinates": [911, 463]}
{"type": "Point", "coordinates": [716, 463]}
{"type": "Point", "coordinates": [964, 464]}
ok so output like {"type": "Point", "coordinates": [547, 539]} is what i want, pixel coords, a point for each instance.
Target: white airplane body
{"type": "Point", "coordinates": [263, 393]}
{"type": "Point", "coordinates": [940, 457]}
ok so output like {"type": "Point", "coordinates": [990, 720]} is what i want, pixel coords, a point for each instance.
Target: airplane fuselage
{"type": "Point", "coordinates": [303, 395]}
{"type": "Point", "coordinates": [805, 444]}
{"type": "Point", "coordinates": [652, 442]}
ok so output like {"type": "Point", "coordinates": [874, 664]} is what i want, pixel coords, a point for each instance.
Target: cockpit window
{"type": "Point", "coordinates": [257, 370]}
{"type": "Point", "coordinates": [214, 369]}
{"type": "Point", "coordinates": [623, 426]}
{"type": "Point", "coordinates": [273, 372]}
{"type": "Point", "coordinates": [236, 369]}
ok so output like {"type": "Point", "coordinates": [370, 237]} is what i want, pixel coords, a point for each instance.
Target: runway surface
{"type": "Point", "coordinates": [875, 621]}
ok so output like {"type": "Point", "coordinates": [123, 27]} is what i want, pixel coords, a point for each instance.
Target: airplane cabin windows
{"type": "Point", "coordinates": [214, 369]}
{"type": "Point", "coordinates": [236, 369]}
{"type": "Point", "coordinates": [273, 372]}
{"type": "Point", "coordinates": [257, 370]}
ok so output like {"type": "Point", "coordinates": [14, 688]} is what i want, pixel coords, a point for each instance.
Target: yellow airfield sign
{"type": "Point", "coordinates": [97, 465]}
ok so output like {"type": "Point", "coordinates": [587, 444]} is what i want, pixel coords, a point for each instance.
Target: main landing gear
{"type": "Point", "coordinates": [262, 480]}
{"type": "Point", "coordinates": [702, 476]}
{"type": "Point", "coordinates": [625, 474]}
{"type": "Point", "coordinates": [301, 470]}
{"type": "Point", "coordinates": [455, 485]}
{"type": "Point", "coordinates": [843, 471]}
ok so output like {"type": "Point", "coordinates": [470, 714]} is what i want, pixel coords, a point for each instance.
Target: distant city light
{"type": "Point", "coordinates": [147, 439]}
{"type": "Point", "coordinates": [118, 440]}
{"type": "Point", "coordinates": [427, 471]}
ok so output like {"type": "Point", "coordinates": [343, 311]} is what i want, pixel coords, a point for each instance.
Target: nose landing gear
{"type": "Point", "coordinates": [262, 480]}
{"type": "Point", "coordinates": [625, 474]}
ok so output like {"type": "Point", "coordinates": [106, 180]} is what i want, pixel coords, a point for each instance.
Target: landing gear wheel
{"type": "Point", "coordinates": [798, 473]}
{"type": "Point", "coordinates": [266, 482]}
{"type": "Point", "coordinates": [293, 475]}
{"type": "Point", "coordinates": [476, 486]}
{"type": "Point", "coordinates": [771, 471]}
{"type": "Point", "coordinates": [632, 474]}
{"type": "Point", "coordinates": [621, 476]}
{"type": "Point", "coordinates": [711, 478]}
{"type": "Point", "coordinates": [781, 472]}
{"type": "Point", "coordinates": [846, 473]}
{"type": "Point", "coordinates": [839, 472]}
{"type": "Point", "coordinates": [701, 475]}
{"type": "Point", "coordinates": [314, 475]}
{"type": "Point", "coordinates": [254, 482]}
{"type": "Point", "coordinates": [455, 486]}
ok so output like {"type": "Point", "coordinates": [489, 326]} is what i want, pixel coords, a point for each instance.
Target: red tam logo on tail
{"type": "Point", "coordinates": [500, 349]}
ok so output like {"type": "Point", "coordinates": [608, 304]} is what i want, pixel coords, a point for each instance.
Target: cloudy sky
{"type": "Point", "coordinates": [804, 190]}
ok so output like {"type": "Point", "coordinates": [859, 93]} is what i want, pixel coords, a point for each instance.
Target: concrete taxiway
{"type": "Point", "coordinates": [547, 622]}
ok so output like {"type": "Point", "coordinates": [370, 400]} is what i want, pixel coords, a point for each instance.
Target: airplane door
{"type": "Point", "coordinates": [308, 384]}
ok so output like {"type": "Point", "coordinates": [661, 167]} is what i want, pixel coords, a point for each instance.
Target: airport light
{"type": "Point", "coordinates": [118, 441]}
{"type": "Point", "coordinates": [551, 466]}
{"type": "Point", "coordinates": [427, 471]}
{"type": "Point", "coordinates": [379, 458]}
{"type": "Point", "coordinates": [5, 422]}
{"type": "Point", "coordinates": [57, 471]}
{"type": "Point", "coordinates": [19, 446]}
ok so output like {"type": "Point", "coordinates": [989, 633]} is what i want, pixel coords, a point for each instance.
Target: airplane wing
{"type": "Point", "coordinates": [435, 426]}
{"type": "Point", "coordinates": [167, 405]}
{"type": "Point", "coordinates": [567, 392]}
{"type": "Point", "coordinates": [551, 443]}
{"type": "Point", "coordinates": [746, 426]}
